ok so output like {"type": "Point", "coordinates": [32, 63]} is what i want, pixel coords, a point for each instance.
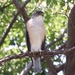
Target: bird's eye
{"type": "Point", "coordinates": [38, 12]}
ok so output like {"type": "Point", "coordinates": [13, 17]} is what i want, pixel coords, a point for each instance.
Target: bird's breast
{"type": "Point", "coordinates": [36, 31]}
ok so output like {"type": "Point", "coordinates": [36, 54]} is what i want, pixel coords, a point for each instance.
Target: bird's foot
{"type": "Point", "coordinates": [40, 52]}
{"type": "Point", "coordinates": [33, 53]}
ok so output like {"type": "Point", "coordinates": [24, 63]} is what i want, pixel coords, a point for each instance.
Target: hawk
{"type": "Point", "coordinates": [35, 37]}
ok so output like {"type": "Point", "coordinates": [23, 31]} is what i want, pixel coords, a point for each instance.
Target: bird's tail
{"type": "Point", "coordinates": [37, 64]}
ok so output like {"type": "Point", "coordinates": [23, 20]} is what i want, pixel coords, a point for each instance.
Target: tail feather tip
{"type": "Point", "coordinates": [38, 70]}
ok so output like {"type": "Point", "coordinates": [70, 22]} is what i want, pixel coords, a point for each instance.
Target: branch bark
{"type": "Point", "coordinates": [70, 63]}
{"type": "Point", "coordinates": [60, 68]}
{"type": "Point", "coordinates": [21, 10]}
{"type": "Point", "coordinates": [37, 54]}
{"type": "Point", "coordinates": [51, 67]}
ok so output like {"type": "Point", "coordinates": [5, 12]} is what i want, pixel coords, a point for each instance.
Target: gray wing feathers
{"type": "Point", "coordinates": [28, 40]}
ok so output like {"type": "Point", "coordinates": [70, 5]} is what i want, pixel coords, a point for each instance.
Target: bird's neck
{"type": "Point", "coordinates": [38, 20]}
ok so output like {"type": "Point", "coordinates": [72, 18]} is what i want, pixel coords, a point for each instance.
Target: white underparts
{"type": "Point", "coordinates": [36, 31]}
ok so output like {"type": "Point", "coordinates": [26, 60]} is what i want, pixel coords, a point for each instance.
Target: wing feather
{"type": "Point", "coordinates": [27, 40]}
{"type": "Point", "coordinates": [43, 44]}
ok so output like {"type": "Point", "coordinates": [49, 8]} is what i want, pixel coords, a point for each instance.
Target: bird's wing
{"type": "Point", "coordinates": [27, 40]}
{"type": "Point", "coordinates": [43, 44]}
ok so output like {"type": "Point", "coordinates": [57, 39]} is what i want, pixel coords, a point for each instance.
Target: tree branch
{"type": "Point", "coordinates": [8, 28]}
{"type": "Point", "coordinates": [61, 67]}
{"type": "Point", "coordinates": [11, 23]}
{"type": "Point", "coordinates": [58, 39]}
{"type": "Point", "coordinates": [51, 67]}
{"type": "Point", "coordinates": [5, 6]}
{"type": "Point", "coordinates": [63, 45]}
{"type": "Point", "coordinates": [36, 54]}
{"type": "Point", "coordinates": [26, 69]}
{"type": "Point", "coordinates": [21, 9]}
{"type": "Point", "coordinates": [30, 54]}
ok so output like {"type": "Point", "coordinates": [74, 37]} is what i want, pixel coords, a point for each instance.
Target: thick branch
{"type": "Point", "coordinates": [70, 58]}
{"type": "Point", "coordinates": [21, 9]}
{"type": "Point", "coordinates": [51, 67]}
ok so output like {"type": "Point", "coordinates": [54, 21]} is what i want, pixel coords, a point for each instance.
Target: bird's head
{"type": "Point", "coordinates": [38, 13]}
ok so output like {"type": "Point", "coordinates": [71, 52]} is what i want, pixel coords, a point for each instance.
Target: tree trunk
{"type": "Point", "coordinates": [70, 63]}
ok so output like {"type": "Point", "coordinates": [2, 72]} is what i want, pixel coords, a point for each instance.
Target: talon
{"type": "Point", "coordinates": [33, 54]}
{"type": "Point", "coordinates": [40, 52]}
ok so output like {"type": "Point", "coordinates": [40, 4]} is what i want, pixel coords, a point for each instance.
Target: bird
{"type": "Point", "coordinates": [35, 37]}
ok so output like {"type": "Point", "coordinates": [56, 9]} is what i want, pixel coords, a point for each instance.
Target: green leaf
{"type": "Point", "coordinates": [55, 2]}
{"type": "Point", "coordinates": [36, 1]}
{"type": "Point", "coordinates": [62, 3]}
{"type": "Point", "coordinates": [48, 2]}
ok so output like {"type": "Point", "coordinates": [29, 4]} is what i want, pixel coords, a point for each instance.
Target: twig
{"type": "Point", "coordinates": [63, 45]}
{"type": "Point", "coordinates": [26, 69]}
{"type": "Point", "coordinates": [58, 39]}
{"type": "Point", "coordinates": [5, 6]}
{"type": "Point", "coordinates": [8, 28]}
{"type": "Point", "coordinates": [37, 5]}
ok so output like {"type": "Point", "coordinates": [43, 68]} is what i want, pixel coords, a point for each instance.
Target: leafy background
{"type": "Point", "coordinates": [55, 18]}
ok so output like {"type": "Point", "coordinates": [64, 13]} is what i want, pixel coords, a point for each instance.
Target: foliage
{"type": "Point", "coordinates": [55, 23]}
